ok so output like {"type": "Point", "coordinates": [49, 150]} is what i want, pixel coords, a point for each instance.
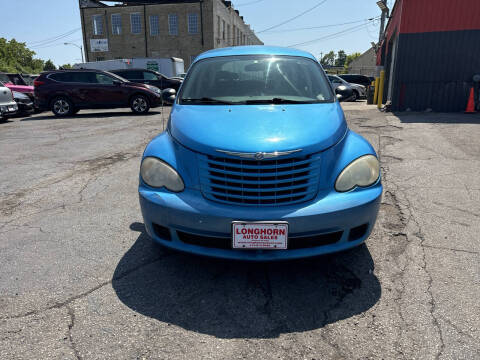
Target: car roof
{"type": "Point", "coordinates": [254, 50]}
{"type": "Point", "coordinates": [72, 70]}
{"type": "Point", "coordinates": [353, 75]}
{"type": "Point", "coordinates": [133, 69]}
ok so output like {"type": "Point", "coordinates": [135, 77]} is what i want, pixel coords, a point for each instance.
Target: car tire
{"type": "Point", "coordinates": [62, 106]}
{"type": "Point", "coordinates": [355, 96]}
{"type": "Point", "coordinates": [139, 104]}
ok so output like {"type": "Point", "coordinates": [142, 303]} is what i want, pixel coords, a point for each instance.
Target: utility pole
{"type": "Point", "coordinates": [382, 4]}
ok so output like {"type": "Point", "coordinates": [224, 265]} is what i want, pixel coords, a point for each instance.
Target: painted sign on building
{"type": "Point", "coordinates": [98, 45]}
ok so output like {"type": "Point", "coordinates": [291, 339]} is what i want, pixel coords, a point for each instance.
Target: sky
{"type": "Point", "coordinates": [38, 20]}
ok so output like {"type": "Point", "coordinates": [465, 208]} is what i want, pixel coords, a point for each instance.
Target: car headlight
{"type": "Point", "coordinates": [362, 172]}
{"type": "Point", "coordinates": [154, 89]}
{"type": "Point", "coordinates": [157, 174]}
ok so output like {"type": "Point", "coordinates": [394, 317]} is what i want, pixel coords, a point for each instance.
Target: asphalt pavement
{"type": "Point", "coordinates": [80, 278]}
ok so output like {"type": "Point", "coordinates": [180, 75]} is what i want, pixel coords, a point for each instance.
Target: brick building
{"type": "Point", "coordinates": [160, 28]}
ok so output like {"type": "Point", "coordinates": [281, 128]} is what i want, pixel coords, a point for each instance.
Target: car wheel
{"type": "Point", "coordinates": [355, 95]}
{"type": "Point", "coordinates": [61, 106]}
{"type": "Point", "coordinates": [139, 104]}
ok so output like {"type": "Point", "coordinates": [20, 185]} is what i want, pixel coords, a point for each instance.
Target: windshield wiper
{"type": "Point", "coordinates": [208, 101]}
{"type": "Point", "coordinates": [277, 101]}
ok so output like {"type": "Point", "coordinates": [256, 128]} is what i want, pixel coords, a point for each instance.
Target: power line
{"type": "Point", "coordinates": [53, 39]}
{"type": "Point", "coordinates": [293, 18]}
{"type": "Point", "coordinates": [56, 44]}
{"type": "Point", "coordinates": [250, 3]}
{"type": "Point", "coordinates": [323, 26]}
{"type": "Point", "coordinates": [331, 36]}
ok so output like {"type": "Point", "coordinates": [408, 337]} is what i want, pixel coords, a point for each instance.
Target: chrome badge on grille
{"type": "Point", "coordinates": [259, 155]}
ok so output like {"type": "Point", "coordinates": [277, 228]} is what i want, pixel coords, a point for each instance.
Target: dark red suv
{"type": "Point", "coordinates": [65, 92]}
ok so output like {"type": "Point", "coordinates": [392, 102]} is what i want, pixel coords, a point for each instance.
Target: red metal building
{"type": "Point", "coordinates": [430, 54]}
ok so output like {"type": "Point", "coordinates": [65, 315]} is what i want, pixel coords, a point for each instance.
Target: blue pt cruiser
{"type": "Point", "coordinates": [257, 162]}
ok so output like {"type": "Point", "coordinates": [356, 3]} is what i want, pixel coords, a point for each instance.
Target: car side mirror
{"type": "Point", "coordinates": [343, 93]}
{"type": "Point", "coordinates": [169, 95]}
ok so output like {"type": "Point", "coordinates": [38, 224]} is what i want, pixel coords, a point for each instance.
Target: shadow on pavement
{"type": "Point", "coordinates": [438, 118]}
{"type": "Point", "coordinates": [230, 299]}
{"type": "Point", "coordinates": [89, 115]}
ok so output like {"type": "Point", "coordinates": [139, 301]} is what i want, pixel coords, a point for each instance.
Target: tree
{"type": "Point", "coordinates": [328, 59]}
{"type": "Point", "coordinates": [351, 57]}
{"type": "Point", "coordinates": [16, 57]}
{"type": "Point", "coordinates": [341, 58]}
{"type": "Point", "coordinates": [49, 65]}
{"type": "Point", "coordinates": [65, 66]}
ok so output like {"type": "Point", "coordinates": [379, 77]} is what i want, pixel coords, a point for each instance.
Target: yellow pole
{"type": "Point", "coordinates": [375, 96]}
{"type": "Point", "coordinates": [380, 89]}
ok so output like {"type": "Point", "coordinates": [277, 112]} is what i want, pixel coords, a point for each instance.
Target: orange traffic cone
{"type": "Point", "coordinates": [471, 103]}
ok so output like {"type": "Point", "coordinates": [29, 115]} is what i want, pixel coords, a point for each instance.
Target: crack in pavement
{"type": "Point", "coordinates": [71, 299]}
{"type": "Point", "coordinates": [71, 314]}
{"type": "Point", "coordinates": [451, 249]}
{"type": "Point", "coordinates": [404, 220]}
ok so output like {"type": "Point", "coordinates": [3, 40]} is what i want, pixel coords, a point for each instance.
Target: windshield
{"type": "Point", "coordinates": [255, 79]}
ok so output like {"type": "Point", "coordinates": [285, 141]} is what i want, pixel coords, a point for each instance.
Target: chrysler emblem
{"type": "Point", "coordinates": [259, 155]}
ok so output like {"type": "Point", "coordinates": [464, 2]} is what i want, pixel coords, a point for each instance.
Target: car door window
{"type": "Point", "coordinates": [149, 76]}
{"type": "Point", "coordinates": [133, 75]}
{"type": "Point", "coordinates": [83, 77]}
{"type": "Point", "coordinates": [61, 77]}
{"type": "Point", "coordinates": [103, 79]}
{"type": "Point", "coordinates": [334, 80]}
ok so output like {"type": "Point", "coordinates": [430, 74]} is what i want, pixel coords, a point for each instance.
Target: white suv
{"type": "Point", "coordinates": [8, 106]}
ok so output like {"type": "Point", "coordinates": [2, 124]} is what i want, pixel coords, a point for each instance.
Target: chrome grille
{"type": "Point", "coordinates": [281, 181]}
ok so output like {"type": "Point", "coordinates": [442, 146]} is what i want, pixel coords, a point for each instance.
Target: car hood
{"type": "Point", "coordinates": [20, 88]}
{"type": "Point", "coordinates": [357, 86]}
{"type": "Point", "coordinates": [258, 128]}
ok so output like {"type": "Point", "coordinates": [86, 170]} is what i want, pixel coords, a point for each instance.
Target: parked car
{"type": "Point", "coordinates": [29, 78]}
{"type": "Point", "coordinates": [180, 76]}
{"type": "Point", "coordinates": [357, 79]}
{"type": "Point", "coordinates": [258, 163]}
{"type": "Point", "coordinates": [65, 92]}
{"type": "Point", "coordinates": [359, 91]}
{"type": "Point", "coordinates": [25, 104]}
{"type": "Point", "coordinates": [16, 82]}
{"type": "Point", "coordinates": [8, 106]}
{"type": "Point", "coordinates": [149, 77]}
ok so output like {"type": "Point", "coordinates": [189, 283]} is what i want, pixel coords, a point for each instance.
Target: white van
{"type": "Point", "coordinates": [167, 66]}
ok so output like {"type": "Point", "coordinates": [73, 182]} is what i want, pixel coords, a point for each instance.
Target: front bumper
{"type": "Point", "coordinates": [155, 101]}
{"type": "Point", "coordinates": [332, 222]}
{"type": "Point", "coordinates": [362, 92]}
{"type": "Point", "coordinates": [8, 109]}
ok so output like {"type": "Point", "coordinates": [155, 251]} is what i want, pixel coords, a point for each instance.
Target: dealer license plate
{"type": "Point", "coordinates": [260, 235]}
{"type": "Point", "coordinates": [11, 108]}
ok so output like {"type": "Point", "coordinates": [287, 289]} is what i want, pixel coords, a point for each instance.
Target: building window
{"type": "Point", "coordinates": [218, 27]}
{"type": "Point", "coordinates": [97, 25]}
{"type": "Point", "coordinates": [100, 58]}
{"type": "Point", "coordinates": [173, 24]}
{"type": "Point", "coordinates": [193, 23]}
{"type": "Point", "coordinates": [223, 29]}
{"type": "Point", "coordinates": [116, 24]}
{"type": "Point", "coordinates": [136, 23]}
{"type": "Point", "coordinates": [229, 38]}
{"type": "Point", "coordinates": [154, 27]}
{"type": "Point", "coordinates": [234, 33]}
